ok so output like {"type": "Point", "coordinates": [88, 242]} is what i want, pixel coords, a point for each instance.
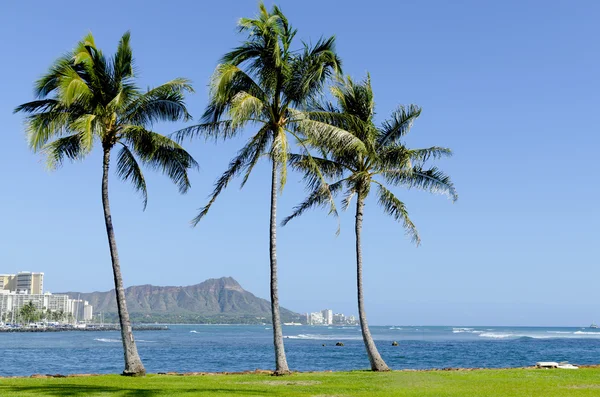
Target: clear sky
{"type": "Point", "coordinates": [512, 87]}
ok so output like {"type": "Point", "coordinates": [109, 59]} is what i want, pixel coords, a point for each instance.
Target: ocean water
{"type": "Point", "coordinates": [190, 348]}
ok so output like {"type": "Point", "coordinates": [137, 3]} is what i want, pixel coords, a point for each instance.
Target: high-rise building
{"type": "Point", "coordinates": [7, 282]}
{"type": "Point", "coordinates": [327, 316]}
{"type": "Point", "coordinates": [30, 283]}
{"type": "Point", "coordinates": [339, 318]}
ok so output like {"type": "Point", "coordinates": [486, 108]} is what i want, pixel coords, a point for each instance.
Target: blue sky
{"type": "Point", "coordinates": [512, 87]}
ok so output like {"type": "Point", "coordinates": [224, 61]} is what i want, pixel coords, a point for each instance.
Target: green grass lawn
{"type": "Point", "coordinates": [513, 382]}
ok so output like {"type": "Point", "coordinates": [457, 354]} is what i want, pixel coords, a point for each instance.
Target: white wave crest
{"type": "Point", "coordinates": [496, 335]}
{"type": "Point", "coordinates": [322, 337]}
{"type": "Point", "coordinates": [106, 340]}
{"type": "Point", "coordinates": [466, 330]}
{"type": "Point", "coordinates": [586, 333]}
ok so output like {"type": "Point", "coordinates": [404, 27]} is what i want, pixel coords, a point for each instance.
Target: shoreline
{"type": "Point", "coordinates": [86, 329]}
{"type": "Point", "coordinates": [271, 372]}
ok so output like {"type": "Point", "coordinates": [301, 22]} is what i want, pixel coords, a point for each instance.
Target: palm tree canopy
{"type": "Point", "coordinates": [265, 83]}
{"type": "Point", "coordinates": [86, 97]}
{"type": "Point", "coordinates": [383, 161]}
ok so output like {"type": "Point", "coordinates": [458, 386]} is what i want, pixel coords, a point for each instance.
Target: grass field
{"type": "Point", "coordinates": [512, 382]}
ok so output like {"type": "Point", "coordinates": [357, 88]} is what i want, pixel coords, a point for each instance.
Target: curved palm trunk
{"type": "Point", "coordinates": [377, 363]}
{"type": "Point", "coordinates": [281, 366]}
{"type": "Point", "coordinates": [133, 364]}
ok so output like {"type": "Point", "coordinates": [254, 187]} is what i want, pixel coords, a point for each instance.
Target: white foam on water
{"type": "Point", "coordinates": [560, 332]}
{"type": "Point", "coordinates": [586, 333]}
{"type": "Point", "coordinates": [495, 335]}
{"type": "Point", "coordinates": [321, 337]}
{"type": "Point", "coordinates": [106, 340]}
{"type": "Point", "coordinates": [466, 330]}
{"type": "Point", "coordinates": [193, 331]}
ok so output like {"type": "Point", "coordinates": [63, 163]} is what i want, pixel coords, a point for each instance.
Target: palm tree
{"type": "Point", "coordinates": [84, 98]}
{"type": "Point", "coordinates": [385, 161]}
{"type": "Point", "coordinates": [263, 83]}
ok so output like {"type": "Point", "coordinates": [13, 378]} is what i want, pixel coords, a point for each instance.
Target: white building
{"type": "Point", "coordinates": [13, 302]}
{"type": "Point", "coordinates": [339, 318]}
{"type": "Point", "coordinates": [327, 316]}
{"type": "Point", "coordinates": [314, 318]}
{"type": "Point", "coordinates": [80, 309]}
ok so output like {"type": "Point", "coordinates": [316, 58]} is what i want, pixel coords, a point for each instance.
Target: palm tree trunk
{"type": "Point", "coordinates": [133, 363]}
{"type": "Point", "coordinates": [281, 366]}
{"type": "Point", "coordinates": [377, 363]}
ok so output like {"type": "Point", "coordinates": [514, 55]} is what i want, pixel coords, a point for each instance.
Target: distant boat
{"type": "Point", "coordinates": [594, 326]}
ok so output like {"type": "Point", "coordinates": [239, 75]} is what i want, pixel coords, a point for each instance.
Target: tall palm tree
{"type": "Point", "coordinates": [264, 84]}
{"type": "Point", "coordinates": [385, 160]}
{"type": "Point", "coordinates": [84, 98]}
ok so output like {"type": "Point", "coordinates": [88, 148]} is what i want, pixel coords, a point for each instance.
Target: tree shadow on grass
{"type": "Point", "coordinates": [75, 390]}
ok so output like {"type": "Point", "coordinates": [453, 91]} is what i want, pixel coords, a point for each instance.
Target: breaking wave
{"type": "Point", "coordinates": [466, 330]}
{"type": "Point", "coordinates": [322, 337]}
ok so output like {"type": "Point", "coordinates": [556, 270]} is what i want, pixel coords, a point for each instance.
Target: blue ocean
{"type": "Point", "coordinates": [192, 348]}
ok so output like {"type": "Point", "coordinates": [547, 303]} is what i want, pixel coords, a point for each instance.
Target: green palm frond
{"type": "Point", "coordinates": [244, 107]}
{"type": "Point", "coordinates": [162, 153]}
{"type": "Point", "coordinates": [129, 170]}
{"type": "Point", "coordinates": [399, 125]}
{"type": "Point", "coordinates": [319, 197]}
{"type": "Point", "coordinates": [222, 129]}
{"type": "Point", "coordinates": [434, 152]}
{"type": "Point", "coordinates": [311, 165]}
{"type": "Point", "coordinates": [45, 126]}
{"type": "Point", "coordinates": [66, 147]}
{"type": "Point", "coordinates": [432, 180]}
{"type": "Point", "coordinates": [397, 210]}
{"type": "Point", "coordinates": [236, 166]}
{"type": "Point", "coordinates": [322, 134]}
{"type": "Point", "coordinates": [123, 59]}
{"type": "Point", "coordinates": [260, 142]}
{"type": "Point", "coordinates": [311, 70]}
{"type": "Point", "coordinates": [163, 103]}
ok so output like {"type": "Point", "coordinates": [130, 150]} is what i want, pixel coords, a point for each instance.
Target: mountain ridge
{"type": "Point", "coordinates": [214, 300]}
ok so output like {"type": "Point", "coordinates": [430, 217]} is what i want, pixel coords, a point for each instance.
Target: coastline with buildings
{"type": "Point", "coordinates": [327, 317]}
{"type": "Point", "coordinates": [24, 304]}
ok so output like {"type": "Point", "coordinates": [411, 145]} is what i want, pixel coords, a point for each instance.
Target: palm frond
{"type": "Point", "coordinates": [236, 166]}
{"type": "Point", "coordinates": [66, 147]}
{"type": "Point", "coordinates": [161, 153]}
{"type": "Point", "coordinates": [223, 129]}
{"type": "Point", "coordinates": [128, 169]}
{"type": "Point", "coordinates": [123, 59]}
{"type": "Point", "coordinates": [315, 169]}
{"type": "Point", "coordinates": [43, 127]}
{"type": "Point", "coordinates": [244, 107]}
{"type": "Point", "coordinates": [163, 103]}
{"type": "Point", "coordinates": [319, 197]}
{"type": "Point", "coordinates": [227, 81]}
{"type": "Point", "coordinates": [397, 210]}
{"type": "Point", "coordinates": [434, 152]}
{"type": "Point", "coordinates": [325, 135]}
{"type": "Point", "coordinates": [432, 180]}
{"type": "Point", "coordinates": [259, 144]}
{"type": "Point", "coordinates": [399, 125]}
{"type": "Point", "coordinates": [311, 70]}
